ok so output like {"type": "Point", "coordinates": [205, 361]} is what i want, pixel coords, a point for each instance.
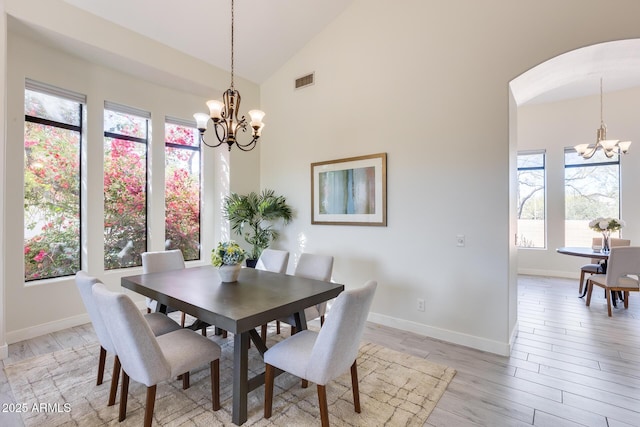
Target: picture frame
{"type": "Point", "coordinates": [350, 191]}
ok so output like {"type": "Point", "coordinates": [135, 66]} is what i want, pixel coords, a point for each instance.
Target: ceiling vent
{"type": "Point", "coordinates": [305, 81]}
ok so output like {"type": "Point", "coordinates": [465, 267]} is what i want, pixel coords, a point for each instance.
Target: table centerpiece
{"type": "Point", "coordinates": [228, 257]}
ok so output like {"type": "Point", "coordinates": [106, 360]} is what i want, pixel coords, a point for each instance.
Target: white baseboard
{"type": "Point", "coordinates": [547, 273]}
{"type": "Point", "coordinates": [496, 347]}
{"type": "Point", "coordinates": [4, 351]}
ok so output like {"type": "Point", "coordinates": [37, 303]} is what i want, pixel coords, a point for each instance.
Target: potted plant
{"type": "Point", "coordinates": [228, 257]}
{"type": "Point", "coordinates": [253, 215]}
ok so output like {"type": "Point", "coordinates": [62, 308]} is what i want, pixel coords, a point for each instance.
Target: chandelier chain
{"type": "Point", "coordinates": [232, 25]}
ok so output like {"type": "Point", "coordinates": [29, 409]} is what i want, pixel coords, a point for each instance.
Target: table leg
{"type": "Point", "coordinates": [240, 377]}
{"type": "Point", "coordinates": [301, 320]}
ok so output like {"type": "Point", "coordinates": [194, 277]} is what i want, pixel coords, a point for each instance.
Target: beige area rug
{"type": "Point", "coordinates": [396, 389]}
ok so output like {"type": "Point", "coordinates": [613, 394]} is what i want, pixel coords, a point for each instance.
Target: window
{"type": "Point", "coordinates": [52, 135]}
{"type": "Point", "coordinates": [182, 188]}
{"type": "Point", "coordinates": [531, 200]}
{"type": "Point", "coordinates": [126, 133]}
{"type": "Point", "coordinates": [592, 189]}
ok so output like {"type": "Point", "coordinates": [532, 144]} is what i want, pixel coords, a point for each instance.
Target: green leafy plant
{"type": "Point", "coordinates": [227, 253]}
{"type": "Point", "coordinates": [252, 216]}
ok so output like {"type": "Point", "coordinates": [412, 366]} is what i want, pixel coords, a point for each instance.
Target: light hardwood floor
{"type": "Point", "coordinates": [571, 364]}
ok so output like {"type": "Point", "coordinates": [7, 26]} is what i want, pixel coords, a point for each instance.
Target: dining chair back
{"type": "Point", "coordinates": [148, 359]}
{"type": "Point", "coordinates": [276, 261]}
{"type": "Point", "coordinates": [322, 356]}
{"type": "Point", "coordinates": [273, 260]}
{"type": "Point", "coordinates": [623, 274]}
{"type": "Point", "coordinates": [157, 262]}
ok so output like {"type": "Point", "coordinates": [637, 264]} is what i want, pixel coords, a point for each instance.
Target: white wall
{"type": "Point", "coordinates": [557, 125]}
{"type": "Point", "coordinates": [44, 306]}
{"type": "Point", "coordinates": [426, 82]}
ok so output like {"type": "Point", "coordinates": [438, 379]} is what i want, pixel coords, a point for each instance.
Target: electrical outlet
{"type": "Point", "coordinates": [420, 304]}
{"type": "Point", "coordinates": [460, 240]}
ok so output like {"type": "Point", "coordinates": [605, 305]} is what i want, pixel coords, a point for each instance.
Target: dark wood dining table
{"type": "Point", "coordinates": [257, 298]}
{"type": "Point", "coordinates": [586, 252]}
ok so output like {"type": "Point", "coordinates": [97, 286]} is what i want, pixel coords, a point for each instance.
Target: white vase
{"type": "Point", "coordinates": [229, 273]}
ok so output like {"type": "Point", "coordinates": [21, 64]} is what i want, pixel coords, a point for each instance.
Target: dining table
{"type": "Point", "coordinates": [586, 252]}
{"type": "Point", "coordinates": [258, 297]}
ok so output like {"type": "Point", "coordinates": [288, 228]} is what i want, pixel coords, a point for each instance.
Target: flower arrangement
{"type": "Point", "coordinates": [606, 224]}
{"type": "Point", "coordinates": [227, 253]}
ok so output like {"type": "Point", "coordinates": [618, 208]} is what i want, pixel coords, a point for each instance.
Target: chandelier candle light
{"type": "Point", "coordinates": [609, 146]}
{"type": "Point", "coordinates": [225, 114]}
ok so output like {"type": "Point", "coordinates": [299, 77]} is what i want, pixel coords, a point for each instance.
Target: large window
{"type": "Point", "coordinates": [592, 190]}
{"type": "Point", "coordinates": [52, 135]}
{"type": "Point", "coordinates": [126, 133]}
{"type": "Point", "coordinates": [531, 200]}
{"type": "Point", "coordinates": [182, 188]}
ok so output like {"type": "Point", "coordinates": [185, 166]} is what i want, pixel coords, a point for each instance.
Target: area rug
{"type": "Point", "coordinates": [396, 389]}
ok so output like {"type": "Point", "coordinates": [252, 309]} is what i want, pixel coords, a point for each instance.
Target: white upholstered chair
{"type": "Point", "coordinates": [159, 323]}
{"type": "Point", "coordinates": [623, 273]}
{"type": "Point", "coordinates": [157, 262]}
{"type": "Point", "coordinates": [148, 359]}
{"type": "Point", "coordinates": [318, 267]}
{"type": "Point", "coordinates": [276, 261]}
{"type": "Point", "coordinates": [595, 266]}
{"type": "Point", "coordinates": [322, 356]}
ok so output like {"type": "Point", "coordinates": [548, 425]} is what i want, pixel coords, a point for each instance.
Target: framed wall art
{"type": "Point", "coordinates": [350, 191]}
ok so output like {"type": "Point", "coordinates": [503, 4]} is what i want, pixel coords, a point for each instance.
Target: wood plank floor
{"type": "Point", "coordinates": [571, 364]}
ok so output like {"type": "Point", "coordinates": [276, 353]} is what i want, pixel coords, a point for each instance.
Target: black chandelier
{"type": "Point", "coordinates": [224, 115]}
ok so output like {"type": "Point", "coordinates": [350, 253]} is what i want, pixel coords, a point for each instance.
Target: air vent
{"type": "Point", "coordinates": [304, 81]}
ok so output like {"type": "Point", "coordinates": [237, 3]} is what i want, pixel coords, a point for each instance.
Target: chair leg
{"type": "Point", "coordinates": [215, 384]}
{"type": "Point", "coordinates": [322, 321]}
{"type": "Point", "coordinates": [101, 361]}
{"type": "Point", "coordinates": [115, 376]}
{"type": "Point", "coordinates": [185, 381]}
{"type": "Point", "coordinates": [151, 401]}
{"type": "Point", "coordinates": [293, 330]}
{"type": "Point", "coordinates": [224, 333]}
{"type": "Point", "coordinates": [322, 402]}
{"type": "Point", "coordinates": [263, 333]}
{"type": "Point", "coordinates": [148, 310]}
{"type": "Point", "coordinates": [305, 383]}
{"type": "Point", "coordinates": [278, 327]}
{"type": "Point", "coordinates": [608, 293]}
{"type": "Point", "coordinates": [589, 291]}
{"type": "Point", "coordinates": [626, 299]}
{"type": "Point", "coordinates": [268, 389]}
{"type": "Point", "coordinates": [123, 397]}
{"type": "Point", "coordinates": [354, 387]}
{"type": "Point", "coordinates": [581, 281]}
{"type": "Point", "coordinates": [183, 317]}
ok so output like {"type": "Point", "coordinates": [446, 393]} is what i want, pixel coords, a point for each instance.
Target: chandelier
{"type": "Point", "coordinates": [225, 115]}
{"type": "Point", "coordinates": [609, 146]}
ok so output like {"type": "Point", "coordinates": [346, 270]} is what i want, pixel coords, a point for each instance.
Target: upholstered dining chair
{"type": "Point", "coordinates": [148, 359]}
{"type": "Point", "coordinates": [157, 262]}
{"type": "Point", "coordinates": [159, 323]}
{"type": "Point", "coordinates": [276, 261]}
{"type": "Point", "coordinates": [322, 356]}
{"type": "Point", "coordinates": [623, 263]}
{"type": "Point", "coordinates": [595, 266]}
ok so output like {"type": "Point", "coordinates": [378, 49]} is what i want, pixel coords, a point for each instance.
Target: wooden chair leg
{"type": "Point", "coordinates": [148, 310]}
{"type": "Point", "coordinates": [268, 390]}
{"type": "Point", "coordinates": [354, 387]}
{"type": "Point", "coordinates": [608, 293]}
{"type": "Point", "coordinates": [322, 321]}
{"type": "Point", "coordinates": [115, 376]}
{"type": "Point", "coordinates": [183, 318]}
{"type": "Point", "coordinates": [278, 327]}
{"type": "Point", "coordinates": [215, 384]}
{"type": "Point", "coordinates": [626, 299]}
{"type": "Point", "coordinates": [322, 402]}
{"type": "Point", "coordinates": [224, 333]}
{"type": "Point", "coordinates": [101, 361]}
{"type": "Point", "coordinates": [589, 291]}
{"type": "Point", "coordinates": [185, 381]}
{"type": "Point", "coordinates": [305, 383]}
{"type": "Point", "coordinates": [151, 401]}
{"type": "Point", "coordinates": [293, 330]}
{"type": "Point", "coordinates": [263, 333]}
{"type": "Point", "coordinates": [123, 397]}
{"type": "Point", "coordinates": [581, 281]}
{"type": "Point", "coordinates": [204, 331]}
